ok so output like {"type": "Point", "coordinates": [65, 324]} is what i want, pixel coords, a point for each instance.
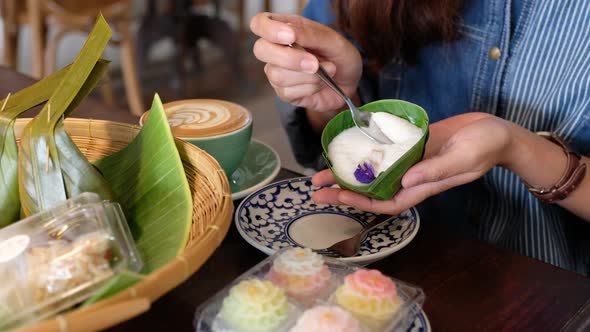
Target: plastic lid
{"type": "Point", "coordinates": [59, 257]}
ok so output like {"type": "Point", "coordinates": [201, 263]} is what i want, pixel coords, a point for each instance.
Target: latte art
{"type": "Point", "coordinates": [205, 117]}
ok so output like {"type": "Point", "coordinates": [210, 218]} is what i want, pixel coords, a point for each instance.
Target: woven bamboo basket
{"type": "Point", "coordinates": [212, 214]}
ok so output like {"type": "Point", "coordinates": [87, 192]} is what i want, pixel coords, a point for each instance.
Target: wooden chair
{"type": "Point", "coordinates": [50, 20]}
{"type": "Point", "coordinates": [267, 7]}
{"type": "Point", "coordinates": [14, 14]}
{"type": "Point", "coordinates": [241, 11]}
{"type": "Point", "coordinates": [63, 16]}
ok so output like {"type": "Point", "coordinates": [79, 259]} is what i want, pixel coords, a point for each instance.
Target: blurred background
{"type": "Point", "coordinates": [178, 48]}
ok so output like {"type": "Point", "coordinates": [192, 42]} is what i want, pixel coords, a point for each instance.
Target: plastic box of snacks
{"type": "Point", "coordinates": [58, 258]}
{"type": "Point", "coordinates": [297, 290]}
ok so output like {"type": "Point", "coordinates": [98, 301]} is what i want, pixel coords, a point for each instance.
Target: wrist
{"type": "Point", "coordinates": [518, 150]}
{"type": "Point", "coordinates": [536, 160]}
{"type": "Point", "coordinates": [319, 119]}
{"type": "Point", "coordinates": [572, 176]}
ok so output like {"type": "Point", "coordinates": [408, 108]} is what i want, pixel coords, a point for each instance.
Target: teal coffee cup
{"type": "Point", "coordinates": [221, 128]}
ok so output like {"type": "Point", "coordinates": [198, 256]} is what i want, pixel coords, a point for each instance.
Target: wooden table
{"type": "Point", "coordinates": [469, 285]}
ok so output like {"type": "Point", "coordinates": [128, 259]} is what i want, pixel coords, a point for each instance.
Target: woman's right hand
{"type": "Point", "coordinates": [291, 72]}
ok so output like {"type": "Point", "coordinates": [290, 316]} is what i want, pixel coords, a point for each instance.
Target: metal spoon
{"type": "Point", "coordinates": [360, 118]}
{"type": "Point", "coordinates": [349, 247]}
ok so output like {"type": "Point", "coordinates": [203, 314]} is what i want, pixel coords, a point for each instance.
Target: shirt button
{"type": "Point", "coordinates": [494, 53]}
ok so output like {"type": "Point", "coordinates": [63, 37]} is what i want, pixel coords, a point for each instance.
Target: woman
{"type": "Point", "coordinates": [490, 75]}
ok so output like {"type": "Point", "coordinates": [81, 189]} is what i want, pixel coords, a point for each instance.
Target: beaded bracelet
{"type": "Point", "coordinates": [572, 177]}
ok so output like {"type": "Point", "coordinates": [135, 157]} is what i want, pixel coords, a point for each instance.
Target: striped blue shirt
{"type": "Point", "coordinates": [543, 84]}
{"type": "Point", "coordinates": [541, 81]}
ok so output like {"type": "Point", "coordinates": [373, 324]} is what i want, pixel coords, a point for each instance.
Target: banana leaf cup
{"type": "Point", "coordinates": [387, 183]}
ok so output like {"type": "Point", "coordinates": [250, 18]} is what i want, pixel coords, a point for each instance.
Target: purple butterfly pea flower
{"type": "Point", "coordinates": [365, 173]}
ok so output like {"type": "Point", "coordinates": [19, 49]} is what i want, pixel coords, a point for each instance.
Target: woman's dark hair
{"type": "Point", "coordinates": [387, 29]}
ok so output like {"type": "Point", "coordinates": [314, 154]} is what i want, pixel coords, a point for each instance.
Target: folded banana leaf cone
{"type": "Point", "coordinates": [387, 183]}
{"type": "Point", "coordinates": [51, 168]}
{"type": "Point", "coordinates": [147, 177]}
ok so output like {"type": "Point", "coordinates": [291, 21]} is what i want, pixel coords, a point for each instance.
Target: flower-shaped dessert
{"type": "Point", "coordinates": [370, 296]}
{"type": "Point", "coordinates": [301, 272]}
{"type": "Point", "coordinates": [255, 306]}
{"type": "Point", "coordinates": [326, 319]}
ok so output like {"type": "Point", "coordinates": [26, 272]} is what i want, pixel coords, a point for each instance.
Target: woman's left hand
{"type": "Point", "coordinates": [460, 150]}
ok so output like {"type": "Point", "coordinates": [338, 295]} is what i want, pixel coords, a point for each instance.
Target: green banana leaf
{"type": "Point", "coordinates": [9, 202]}
{"type": "Point", "coordinates": [388, 182]}
{"type": "Point", "coordinates": [16, 104]}
{"type": "Point", "coordinates": [116, 284]}
{"type": "Point", "coordinates": [149, 182]}
{"type": "Point", "coordinates": [51, 168]}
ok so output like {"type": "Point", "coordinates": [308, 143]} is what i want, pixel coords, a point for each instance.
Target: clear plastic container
{"type": "Point", "coordinates": [312, 288]}
{"type": "Point", "coordinates": [57, 258]}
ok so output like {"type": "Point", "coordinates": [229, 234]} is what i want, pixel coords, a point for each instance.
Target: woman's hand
{"type": "Point", "coordinates": [460, 150]}
{"type": "Point", "coordinates": [291, 72]}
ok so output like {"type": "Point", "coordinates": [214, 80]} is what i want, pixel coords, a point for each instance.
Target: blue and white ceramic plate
{"type": "Point", "coordinates": [282, 214]}
{"type": "Point", "coordinates": [420, 324]}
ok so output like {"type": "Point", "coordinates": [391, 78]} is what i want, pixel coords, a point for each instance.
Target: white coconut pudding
{"type": "Point", "coordinates": [358, 160]}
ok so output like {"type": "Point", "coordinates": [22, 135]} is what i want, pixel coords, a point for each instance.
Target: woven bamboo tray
{"type": "Point", "coordinates": [212, 214]}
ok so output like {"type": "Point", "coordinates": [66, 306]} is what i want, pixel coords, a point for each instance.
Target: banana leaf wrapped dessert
{"type": "Point", "coordinates": [146, 177]}
{"type": "Point", "coordinates": [12, 106]}
{"type": "Point", "coordinates": [51, 168]}
{"type": "Point", "coordinates": [372, 169]}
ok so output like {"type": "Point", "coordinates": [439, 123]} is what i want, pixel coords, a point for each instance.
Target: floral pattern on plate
{"type": "Point", "coordinates": [264, 218]}
{"type": "Point", "coordinates": [420, 323]}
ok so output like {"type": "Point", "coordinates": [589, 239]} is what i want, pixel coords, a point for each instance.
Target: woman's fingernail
{"type": "Point", "coordinates": [308, 65]}
{"type": "Point", "coordinates": [286, 36]}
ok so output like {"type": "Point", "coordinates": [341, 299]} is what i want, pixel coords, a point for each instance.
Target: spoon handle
{"type": "Point", "coordinates": [360, 119]}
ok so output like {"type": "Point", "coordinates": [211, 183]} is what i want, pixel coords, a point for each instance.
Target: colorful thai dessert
{"type": "Point", "coordinates": [370, 296]}
{"type": "Point", "coordinates": [358, 160]}
{"type": "Point", "coordinates": [302, 273]}
{"type": "Point", "coordinates": [375, 170]}
{"type": "Point", "coordinates": [254, 306]}
{"type": "Point", "coordinates": [326, 318]}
